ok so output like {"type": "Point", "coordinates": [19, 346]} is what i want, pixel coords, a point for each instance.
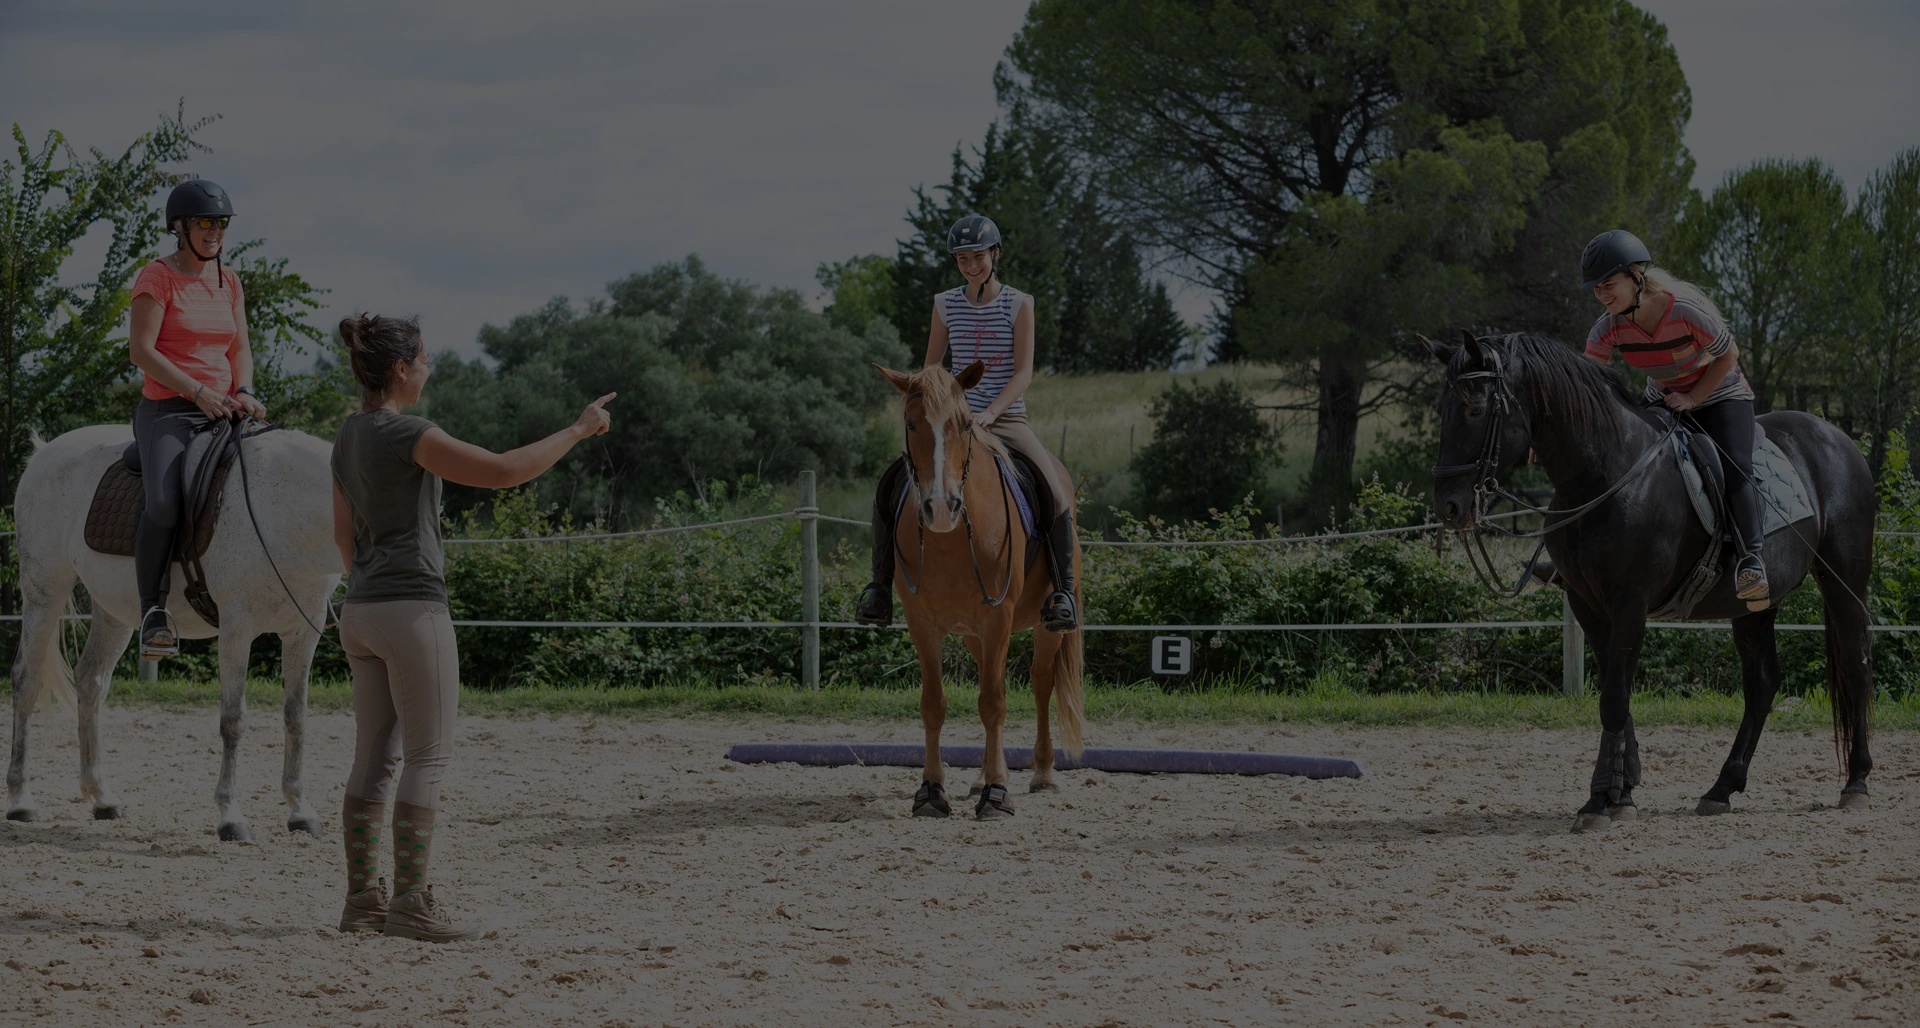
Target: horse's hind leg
{"type": "Point", "coordinates": [1759, 680]}
{"type": "Point", "coordinates": [37, 666]}
{"type": "Point", "coordinates": [1045, 646]}
{"type": "Point", "coordinates": [235, 647]}
{"type": "Point", "coordinates": [1843, 581]}
{"type": "Point", "coordinates": [296, 664]}
{"type": "Point", "coordinates": [106, 641]}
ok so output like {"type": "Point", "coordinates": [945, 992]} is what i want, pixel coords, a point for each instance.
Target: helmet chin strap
{"type": "Point", "coordinates": [186, 238]}
{"type": "Point", "coordinates": [1639, 287]}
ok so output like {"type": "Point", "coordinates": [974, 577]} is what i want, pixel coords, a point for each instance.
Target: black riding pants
{"type": "Point", "coordinates": [1730, 423]}
{"type": "Point", "coordinates": [162, 429]}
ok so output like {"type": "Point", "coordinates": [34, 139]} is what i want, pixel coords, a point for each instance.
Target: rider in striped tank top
{"type": "Point", "coordinates": [987, 321]}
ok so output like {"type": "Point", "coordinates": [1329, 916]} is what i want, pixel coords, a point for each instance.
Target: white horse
{"type": "Point", "coordinates": [292, 496]}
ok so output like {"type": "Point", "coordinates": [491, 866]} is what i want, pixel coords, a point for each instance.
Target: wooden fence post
{"type": "Point", "coordinates": [1573, 651]}
{"type": "Point", "coordinates": [809, 582]}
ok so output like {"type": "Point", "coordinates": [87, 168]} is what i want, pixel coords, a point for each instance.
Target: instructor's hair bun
{"type": "Point", "coordinates": [376, 345]}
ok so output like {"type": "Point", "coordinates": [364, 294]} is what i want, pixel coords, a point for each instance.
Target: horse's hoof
{"type": "Point", "coordinates": [993, 804]}
{"type": "Point", "coordinates": [1708, 808]}
{"type": "Point", "coordinates": [304, 825]}
{"type": "Point", "coordinates": [237, 832]}
{"type": "Point", "coordinates": [22, 815]}
{"type": "Point", "coordinates": [108, 813]}
{"type": "Point", "coordinates": [1586, 823]}
{"type": "Point", "coordinates": [1043, 787]}
{"type": "Point", "coordinates": [1853, 801]}
{"type": "Point", "coordinates": [931, 801]}
{"type": "Point", "coordinates": [1624, 812]}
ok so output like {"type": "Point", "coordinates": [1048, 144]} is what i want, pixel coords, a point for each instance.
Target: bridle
{"type": "Point", "coordinates": [920, 524]}
{"type": "Point", "coordinates": [1487, 487]}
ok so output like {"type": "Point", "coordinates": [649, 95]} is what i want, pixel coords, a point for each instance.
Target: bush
{"type": "Point", "coordinates": [1208, 442]}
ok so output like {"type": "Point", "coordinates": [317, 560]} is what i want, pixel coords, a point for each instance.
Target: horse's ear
{"type": "Point", "coordinates": [900, 379]}
{"type": "Point", "coordinates": [1440, 351]}
{"type": "Point", "coordinates": [970, 376]}
{"type": "Point", "coordinates": [1474, 352]}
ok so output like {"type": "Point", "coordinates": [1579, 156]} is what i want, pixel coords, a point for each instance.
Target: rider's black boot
{"type": "Point", "coordinates": [1060, 613]}
{"type": "Point", "coordinates": [1749, 573]}
{"type": "Point", "coordinates": [875, 605]}
{"type": "Point", "coordinates": [152, 553]}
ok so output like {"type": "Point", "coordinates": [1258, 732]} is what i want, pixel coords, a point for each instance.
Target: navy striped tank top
{"type": "Point", "coordinates": [982, 333]}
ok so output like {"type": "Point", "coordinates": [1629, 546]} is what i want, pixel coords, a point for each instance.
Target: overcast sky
{"type": "Point", "coordinates": [468, 161]}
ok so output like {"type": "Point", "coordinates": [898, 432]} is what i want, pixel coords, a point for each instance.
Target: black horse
{"type": "Point", "coordinates": [1637, 538]}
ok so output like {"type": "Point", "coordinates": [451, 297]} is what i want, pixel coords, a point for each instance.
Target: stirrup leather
{"type": "Point", "coordinates": [159, 640]}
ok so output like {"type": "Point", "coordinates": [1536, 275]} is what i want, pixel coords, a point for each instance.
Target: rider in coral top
{"type": "Point", "coordinates": [189, 334]}
{"type": "Point", "coordinates": [1671, 331]}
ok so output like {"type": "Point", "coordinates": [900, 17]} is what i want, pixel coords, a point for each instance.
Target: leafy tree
{"type": "Point", "coordinates": [717, 380]}
{"type": "Point", "coordinates": [62, 364]}
{"type": "Point", "coordinates": [1095, 310]}
{"type": "Point", "coordinates": [1770, 244]}
{"type": "Point", "coordinates": [279, 303]}
{"type": "Point", "coordinates": [1210, 448]}
{"type": "Point", "coordinates": [862, 289]}
{"type": "Point", "coordinates": [1210, 127]}
{"type": "Point", "coordinates": [1884, 359]}
{"type": "Point", "coordinates": [1348, 276]}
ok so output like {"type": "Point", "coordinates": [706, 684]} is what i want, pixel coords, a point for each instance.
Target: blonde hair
{"type": "Point", "coordinates": [1664, 280]}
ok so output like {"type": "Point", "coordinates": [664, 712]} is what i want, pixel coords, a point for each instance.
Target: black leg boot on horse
{"type": "Point", "coordinates": [1616, 770]}
{"type": "Point", "coordinates": [875, 605]}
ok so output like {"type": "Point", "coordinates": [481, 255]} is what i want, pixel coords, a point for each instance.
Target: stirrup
{"type": "Point", "coordinates": [1750, 580]}
{"type": "Point", "coordinates": [1057, 614]}
{"type": "Point", "coordinates": [162, 640]}
{"type": "Point", "coordinates": [875, 606]}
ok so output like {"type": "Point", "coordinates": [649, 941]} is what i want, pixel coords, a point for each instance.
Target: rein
{"type": "Point", "coordinates": [920, 526]}
{"type": "Point", "coordinates": [1487, 486]}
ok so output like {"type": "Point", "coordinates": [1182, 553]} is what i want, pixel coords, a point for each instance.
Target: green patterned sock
{"type": "Point", "coordinates": [363, 821]}
{"type": "Point", "coordinates": [412, 845]}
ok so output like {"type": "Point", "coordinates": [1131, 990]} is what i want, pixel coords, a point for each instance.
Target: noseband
{"type": "Point", "coordinates": [920, 525]}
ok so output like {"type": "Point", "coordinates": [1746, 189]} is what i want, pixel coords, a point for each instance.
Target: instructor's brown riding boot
{"type": "Point", "coordinates": [366, 910]}
{"type": "Point", "coordinates": [414, 913]}
{"type": "Point", "coordinates": [417, 915]}
{"type": "Point", "coordinates": [364, 824]}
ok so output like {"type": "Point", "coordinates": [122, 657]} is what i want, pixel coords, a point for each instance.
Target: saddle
{"type": "Point", "coordinates": [1783, 497]}
{"type": "Point", "coordinates": [120, 499]}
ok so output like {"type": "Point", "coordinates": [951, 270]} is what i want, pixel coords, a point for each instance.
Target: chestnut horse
{"type": "Point", "coordinates": [960, 567]}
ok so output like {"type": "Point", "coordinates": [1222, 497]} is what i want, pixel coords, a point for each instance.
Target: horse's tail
{"type": "Point", "coordinates": [1069, 668]}
{"type": "Point", "coordinates": [1851, 696]}
{"type": "Point", "coordinates": [56, 675]}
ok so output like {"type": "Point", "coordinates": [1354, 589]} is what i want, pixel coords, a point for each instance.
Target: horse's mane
{"type": "Point", "coordinates": [1562, 380]}
{"type": "Point", "coordinates": [945, 401]}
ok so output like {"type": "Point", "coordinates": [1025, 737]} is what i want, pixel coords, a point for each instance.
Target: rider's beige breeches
{"type": "Point", "coordinates": [1013, 430]}
{"type": "Point", "coordinates": [406, 691]}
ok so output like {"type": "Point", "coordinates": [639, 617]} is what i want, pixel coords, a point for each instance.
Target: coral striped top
{"type": "Point", "coordinates": [1675, 354]}
{"type": "Point", "coordinates": [200, 326]}
{"type": "Point", "coordinates": [982, 332]}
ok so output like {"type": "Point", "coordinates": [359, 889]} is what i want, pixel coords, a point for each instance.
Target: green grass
{"type": "Point", "coordinates": [1138, 702]}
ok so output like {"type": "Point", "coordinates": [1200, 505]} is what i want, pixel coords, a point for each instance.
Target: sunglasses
{"type": "Point", "coordinates": [208, 223]}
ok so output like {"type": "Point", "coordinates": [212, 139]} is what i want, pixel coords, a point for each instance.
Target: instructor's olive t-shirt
{"type": "Point", "coordinates": [396, 509]}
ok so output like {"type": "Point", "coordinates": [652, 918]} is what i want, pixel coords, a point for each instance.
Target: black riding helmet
{"type": "Point", "coordinates": [973, 232]}
{"type": "Point", "coordinates": [198, 198]}
{"type": "Point", "coordinates": [1610, 253]}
